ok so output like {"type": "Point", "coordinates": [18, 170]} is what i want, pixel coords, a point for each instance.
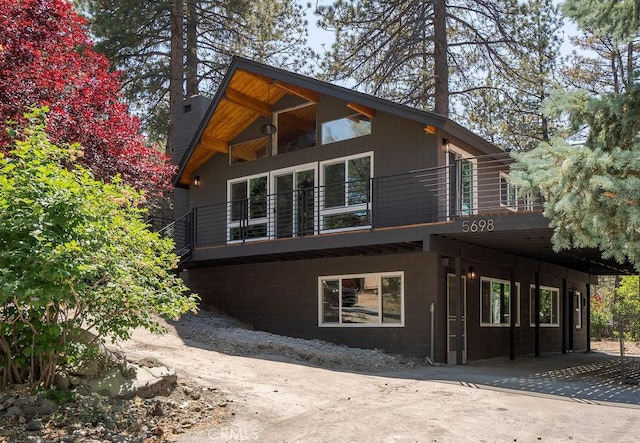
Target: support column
{"type": "Point", "coordinates": [563, 322]}
{"type": "Point", "coordinates": [588, 322]}
{"type": "Point", "coordinates": [536, 309]}
{"type": "Point", "coordinates": [459, 301]}
{"type": "Point", "coordinates": [513, 308]}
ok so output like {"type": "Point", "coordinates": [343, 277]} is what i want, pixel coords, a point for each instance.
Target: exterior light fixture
{"type": "Point", "coordinates": [196, 181]}
{"type": "Point", "coordinates": [472, 273]}
{"type": "Point", "coordinates": [268, 128]}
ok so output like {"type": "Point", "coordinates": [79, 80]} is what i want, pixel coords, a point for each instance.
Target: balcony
{"type": "Point", "coordinates": [467, 188]}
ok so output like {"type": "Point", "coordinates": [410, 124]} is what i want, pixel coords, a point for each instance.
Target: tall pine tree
{"type": "Point", "coordinates": [592, 188]}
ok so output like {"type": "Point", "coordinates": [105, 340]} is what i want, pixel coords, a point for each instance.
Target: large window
{"type": "Point", "coordinates": [495, 302]}
{"type": "Point", "coordinates": [345, 128]}
{"type": "Point", "coordinates": [248, 208]}
{"type": "Point", "coordinates": [361, 300]}
{"type": "Point", "coordinates": [296, 128]}
{"type": "Point", "coordinates": [549, 306]}
{"type": "Point", "coordinates": [345, 193]}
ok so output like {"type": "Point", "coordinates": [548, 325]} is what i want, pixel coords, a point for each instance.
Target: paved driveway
{"type": "Point", "coordinates": [593, 377]}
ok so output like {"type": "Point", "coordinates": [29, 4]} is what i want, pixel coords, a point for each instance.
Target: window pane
{"type": "Point", "coordinates": [334, 181]}
{"type": "Point", "coordinates": [359, 175]}
{"type": "Point", "coordinates": [296, 129]}
{"type": "Point", "coordinates": [345, 129]}
{"type": "Point", "coordinates": [348, 220]}
{"type": "Point", "coordinates": [306, 202]}
{"type": "Point", "coordinates": [495, 302]}
{"type": "Point", "coordinates": [391, 299]}
{"type": "Point", "coordinates": [330, 301]}
{"type": "Point", "coordinates": [467, 187]}
{"type": "Point", "coordinates": [238, 201]}
{"type": "Point", "coordinates": [360, 300]}
{"type": "Point", "coordinates": [258, 197]}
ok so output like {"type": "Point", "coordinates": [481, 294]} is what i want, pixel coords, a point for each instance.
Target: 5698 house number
{"type": "Point", "coordinates": [480, 225]}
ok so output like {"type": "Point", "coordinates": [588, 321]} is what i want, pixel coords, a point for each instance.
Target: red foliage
{"type": "Point", "coordinates": [46, 58]}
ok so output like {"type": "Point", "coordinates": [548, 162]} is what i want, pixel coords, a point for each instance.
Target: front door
{"type": "Point", "coordinates": [294, 203]}
{"type": "Point", "coordinates": [452, 319]}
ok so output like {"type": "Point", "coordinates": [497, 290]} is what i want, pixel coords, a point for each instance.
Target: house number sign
{"type": "Point", "coordinates": [480, 225]}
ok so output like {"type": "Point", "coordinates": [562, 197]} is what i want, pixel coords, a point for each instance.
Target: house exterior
{"type": "Point", "coordinates": [314, 211]}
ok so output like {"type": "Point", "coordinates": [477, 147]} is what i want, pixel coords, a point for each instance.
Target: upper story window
{"type": "Point", "coordinates": [345, 128]}
{"type": "Point", "coordinates": [248, 151]}
{"type": "Point", "coordinates": [463, 182]}
{"type": "Point", "coordinates": [495, 302]}
{"type": "Point", "coordinates": [345, 193]}
{"type": "Point", "coordinates": [248, 214]}
{"type": "Point", "coordinates": [508, 193]}
{"type": "Point", "coordinates": [296, 128]}
{"type": "Point", "coordinates": [549, 306]}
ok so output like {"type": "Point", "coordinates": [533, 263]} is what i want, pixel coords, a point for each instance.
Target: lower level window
{"type": "Point", "coordinates": [495, 302]}
{"type": "Point", "coordinates": [362, 300]}
{"type": "Point", "coordinates": [549, 306]}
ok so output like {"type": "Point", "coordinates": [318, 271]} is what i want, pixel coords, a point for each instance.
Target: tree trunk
{"type": "Point", "coordinates": [176, 71]}
{"type": "Point", "coordinates": [441, 68]}
{"type": "Point", "coordinates": [192, 49]}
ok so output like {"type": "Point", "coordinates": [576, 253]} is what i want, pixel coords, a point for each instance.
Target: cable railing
{"type": "Point", "coordinates": [465, 188]}
{"type": "Point", "coordinates": [180, 230]}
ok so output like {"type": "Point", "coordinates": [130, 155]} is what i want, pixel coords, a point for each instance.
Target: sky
{"type": "Point", "coordinates": [319, 38]}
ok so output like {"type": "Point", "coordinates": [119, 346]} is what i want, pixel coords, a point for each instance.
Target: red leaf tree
{"type": "Point", "coordinates": [46, 58]}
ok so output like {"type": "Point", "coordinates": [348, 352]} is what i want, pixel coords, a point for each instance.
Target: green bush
{"type": "Point", "coordinates": [75, 253]}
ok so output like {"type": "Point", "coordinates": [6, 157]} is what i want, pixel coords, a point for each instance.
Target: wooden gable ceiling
{"type": "Point", "coordinates": [247, 97]}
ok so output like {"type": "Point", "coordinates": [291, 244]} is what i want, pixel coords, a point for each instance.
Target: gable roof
{"type": "Point", "coordinates": [249, 90]}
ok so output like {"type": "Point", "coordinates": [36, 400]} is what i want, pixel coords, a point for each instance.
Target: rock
{"type": "Point", "coordinates": [33, 425]}
{"type": "Point", "coordinates": [62, 380]}
{"type": "Point", "coordinates": [151, 382]}
{"type": "Point", "coordinates": [43, 406]}
{"type": "Point", "coordinates": [14, 411]}
{"type": "Point", "coordinates": [111, 384]}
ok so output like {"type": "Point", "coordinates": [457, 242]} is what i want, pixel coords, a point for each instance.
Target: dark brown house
{"type": "Point", "coordinates": [314, 211]}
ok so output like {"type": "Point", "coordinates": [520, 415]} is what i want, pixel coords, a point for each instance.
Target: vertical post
{"type": "Point", "coordinates": [370, 201]}
{"type": "Point", "coordinates": [563, 312]}
{"type": "Point", "coordinates": [432, 310]}
{"type": "Point", "coordinates": [588, 322]}
{"type": "Point", "coordinates": [536, 309]}
{"type": "Point", "coordinates": [513, 305]}
{"type": "Point", "coordinates": [459, 299]}
{"type": "Point", "coordinates": [458, 187]}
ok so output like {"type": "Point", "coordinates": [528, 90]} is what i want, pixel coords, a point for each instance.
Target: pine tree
{"type": "Point", "coordinates": [592, 189]}
{"type": "Point", "coordinates": [419, 53]}
{"type": "Point", "coordinates": [200, 36]}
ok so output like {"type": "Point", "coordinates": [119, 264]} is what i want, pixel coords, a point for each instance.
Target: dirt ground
{"type": "Point", "coordinates": [288, 390]}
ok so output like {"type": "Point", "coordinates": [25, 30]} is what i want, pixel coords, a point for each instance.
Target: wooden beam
{"type": "Point", "coordinates": [240, 99]}
{"type": "Point", "coordinates": [213, 144]}
{"type": "Point", "coordinates": [307, 94]}
{"type": "Point", "coordinates": [362, 109]}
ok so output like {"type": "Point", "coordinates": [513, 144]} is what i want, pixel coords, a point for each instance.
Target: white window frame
{"type": "Point", "coordinates": [474, 161]}
{"type": "Point", "coordinates": [532, 295]}
{"type": "Point", "coordinates": [294, 169]}
{"type": "Point", "coordinates": [328, 122]}
{"type": "Point", "coordinates": [511, 188]}
{"type": "Point", "coordinates": [507, 282]}
{"type": "Point", "coordinates": [380, 324]}
{"type": "Point", "coordinates": [236, 224]}
{"type": "Point", "coordinates": [346, 208]}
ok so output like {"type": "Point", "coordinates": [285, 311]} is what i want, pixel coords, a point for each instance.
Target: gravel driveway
{"type": "Point", "coordinates": [291, 390]}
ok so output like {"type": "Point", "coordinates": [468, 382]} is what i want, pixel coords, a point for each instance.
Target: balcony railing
{"type": "Point", "coordinates": [467, 187]}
